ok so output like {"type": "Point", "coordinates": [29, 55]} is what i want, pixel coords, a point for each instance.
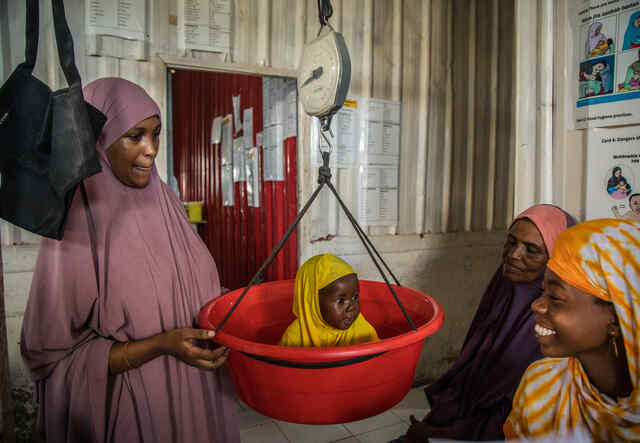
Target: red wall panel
{"type": "Point", "coordinates": [239, 237]}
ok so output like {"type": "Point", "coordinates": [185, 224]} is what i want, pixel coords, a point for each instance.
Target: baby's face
{"type": "Point", "coordinates": [635, 204]}
{"type": "Point", "coordinates": [340, 302]}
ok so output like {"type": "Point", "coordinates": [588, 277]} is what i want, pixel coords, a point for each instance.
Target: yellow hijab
{"type": "Point", "coordinates": [601, 258]}
{"type": "Point", "coordinates": [310, 329]}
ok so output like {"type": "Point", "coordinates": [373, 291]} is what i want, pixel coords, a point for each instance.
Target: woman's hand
{"type": "Point", "coordinates": [417, 432]}
{"type": "Point", "coordinates": [182, 344]}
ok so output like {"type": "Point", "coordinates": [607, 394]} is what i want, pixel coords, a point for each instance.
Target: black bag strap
{"type": "Point", "coordinates": [92, 232]}
{"type": "Point", "coordinates": [65, 44]}
{"type": "Point", "coordinates": [64, 40]}
{"type": "Point", "coordinates": [31, 34]}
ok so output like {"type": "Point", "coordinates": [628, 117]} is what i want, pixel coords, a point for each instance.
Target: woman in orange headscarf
{"type": "Point", "coordinates": [587, 324]}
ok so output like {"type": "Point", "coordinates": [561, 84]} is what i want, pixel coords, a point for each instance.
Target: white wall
{"type": "Point", "coordinates": [456, 181]}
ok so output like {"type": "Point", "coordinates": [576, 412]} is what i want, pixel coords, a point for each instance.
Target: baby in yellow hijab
{"type": "Point", "coordinates": [327, 306]}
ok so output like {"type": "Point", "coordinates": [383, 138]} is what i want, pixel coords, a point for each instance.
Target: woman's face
{"type": "Point", "coordinates": [132, 155]}
{"type": "Point", "coordinates": [524, 254]}
{"type": "Point", "coordinates": [636, 23]}
{"type": "Point", "coordinates": [571, 323]}
{"type": "Point", "coordinates": [340, 302]}
{"type": "Point", "coordinates": [618, 173]}
{"type": "Point", "coordinates": [596, 31]}
{"type": "Point", "coordinates": [597, 68]}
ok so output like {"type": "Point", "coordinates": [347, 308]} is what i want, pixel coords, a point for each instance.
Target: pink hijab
{"type": "Point", "coordinates": [550, 221]}
{"type": "Point", "coordinates": [154, 275]}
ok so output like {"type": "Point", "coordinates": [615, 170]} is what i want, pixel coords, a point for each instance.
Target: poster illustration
{"type": "Point", "coordinates": [613, 174]}
{"type": "Point", "coordinates": [607, 62]}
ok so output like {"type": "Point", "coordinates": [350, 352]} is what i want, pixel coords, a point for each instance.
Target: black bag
{"type": "Point", "coordinates": [47, 139]}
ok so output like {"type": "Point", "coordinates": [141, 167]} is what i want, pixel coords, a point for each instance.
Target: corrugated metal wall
{"type": "Point", "coordinates": [448, 61]}
{"type": "Point", "coordinates": [457, 59]}
{"type": "Point", "coordinates": [240, 236]}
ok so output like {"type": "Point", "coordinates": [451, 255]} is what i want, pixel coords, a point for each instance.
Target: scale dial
{"type": "Point", "coordinates": [324, 74]}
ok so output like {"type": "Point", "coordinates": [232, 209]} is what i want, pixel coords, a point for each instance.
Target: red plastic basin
{"type": "Point", "coordinates": [321, 385]}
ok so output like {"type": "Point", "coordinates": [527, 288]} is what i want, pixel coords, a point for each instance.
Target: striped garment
{"type": "Point", "coordinates": [601, 258]}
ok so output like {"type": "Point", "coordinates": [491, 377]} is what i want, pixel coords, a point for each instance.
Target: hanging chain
{"type": "Point", "coordinates": [325, 11]}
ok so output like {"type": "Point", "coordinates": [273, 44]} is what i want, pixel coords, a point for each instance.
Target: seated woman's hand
{"type": "Point", "coordinates": [182, 344]}
{"type": "Point", "coordinates": [417, 432]}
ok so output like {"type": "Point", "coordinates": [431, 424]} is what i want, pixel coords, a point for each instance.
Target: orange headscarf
{"type": "Point", "coordinates": [601, 258]}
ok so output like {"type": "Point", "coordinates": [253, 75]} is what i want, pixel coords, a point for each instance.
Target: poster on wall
{"type": "Point", "coordinates": [117, 18]}
{"type": "Point", "coordinates": [204, 25]}
{"type": "Point", "coordinates": [365, 135]}
{"type": "Point", "coordinates": [606, 62]}
{"type": "Point", "coordinates": [379, 163]}
{"type": "Point", "coordinates": [383, 132]}
{"type": "Point", "coordinates": [613, 173]}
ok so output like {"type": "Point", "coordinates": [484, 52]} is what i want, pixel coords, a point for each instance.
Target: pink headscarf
{"type": "Point", "coordinates": [550, 221]}
{"type": "Point", "coordinates": [155, 274]}
{"type": "Point", "coordinates": [107, 95]}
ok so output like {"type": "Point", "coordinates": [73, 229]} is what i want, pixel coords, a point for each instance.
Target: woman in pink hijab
{"type": "Point", "coordinates": [112, 345]}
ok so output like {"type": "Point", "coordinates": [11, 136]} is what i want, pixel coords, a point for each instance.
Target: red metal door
{"type": "Point", "coordinates": [239, 237]}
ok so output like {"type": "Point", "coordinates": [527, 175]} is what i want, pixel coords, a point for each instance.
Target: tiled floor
{"type": "Point", "coordinates": [256, 428]}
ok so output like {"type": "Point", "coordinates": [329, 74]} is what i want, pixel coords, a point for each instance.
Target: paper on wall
{"type": "Point", "coordinates": [273, 151]}
{"type": "Point", "coordinates": [216, 130]}
{"type": "Point", "coordinates": [348, 131]}
{"type": "Point", "coordinates": [273, 100]}
{"type": "Point", "coordinates": [252, 166]}
{"type": "Point", "coordinates": [291, 109]}
{"type": "Point", "coordinates": [247, 124]}
{"type": "Point", "coordinates": [239, 172]}
{"type": "Point", "coordinates": [382, 132]}
{"type": "Point", "coordinates": [379, 195]}
{"type": "Point", "coordinates": [237, 117]}
{"type": "Point", "coordinates": [613, 173]}
{"type": "Point", "coordinates": [226, 178]}
{"type": "Point", "coordinates": [267, 111]}
{"type": "Point", "coordinates": [118, 18]}
{"type": "Point", "coordinates": [204, 25]}
{"type": "Point", "coordinates": [227, 141]}
{"type": "Point", "coordinates": [379, 163]}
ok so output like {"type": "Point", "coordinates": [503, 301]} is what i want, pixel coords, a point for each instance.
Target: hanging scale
{"type": "Point", "coordinates": [325, 72]}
